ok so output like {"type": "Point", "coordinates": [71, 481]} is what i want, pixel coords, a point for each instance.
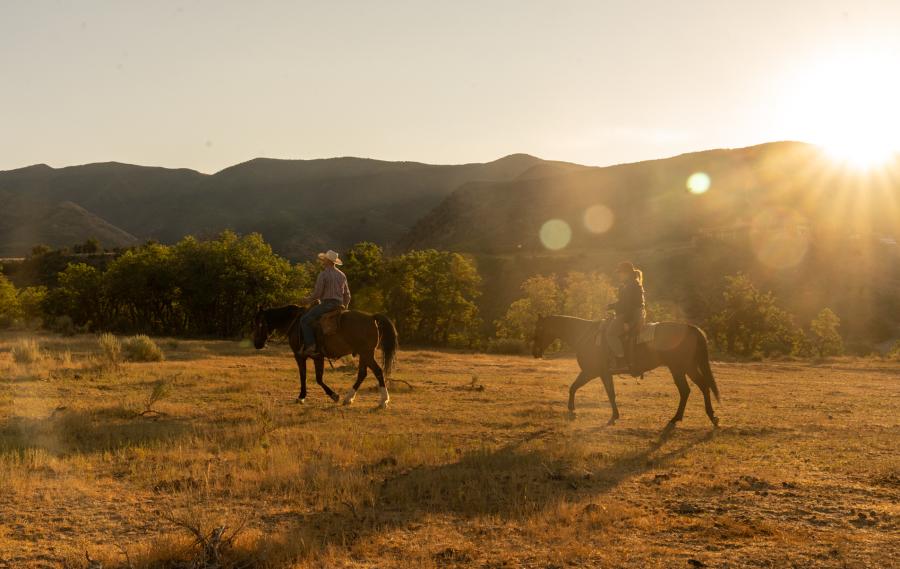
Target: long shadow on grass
{"type": "Point", "coordinates": [510, 483]}
{"type": "Point", "coordinates": [72, 431]}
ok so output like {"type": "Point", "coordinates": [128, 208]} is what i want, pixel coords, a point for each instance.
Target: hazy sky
{"type": "Point", "coordinates": [209, 84]}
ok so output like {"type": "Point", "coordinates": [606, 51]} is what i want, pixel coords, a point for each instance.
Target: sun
{"type": "Point", "coordinates": [849, 105]}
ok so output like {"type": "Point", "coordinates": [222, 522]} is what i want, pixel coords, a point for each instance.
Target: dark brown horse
{"type": "Point", "coordinates": [680, 347]}
{"type": "Point", "coordinates": [359, 333]}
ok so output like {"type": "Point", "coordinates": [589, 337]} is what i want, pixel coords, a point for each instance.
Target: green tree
{"type": "Point", "coordinates": [542, 297]}
{"type": "Point", "coordinates": [364, 267]}
{"type": "Point", "coordinates": [222, 281]}
{"type": "Point", "coordinates": [825, 337]}
{"type": "Point", "coordinates": [79, 295]}
{"type": "Point", "coordinates": [587, 295]}
{"type": "Point", "coordinates": [9, 302]}
{"type": "Point", "coordinates": [748, 321]}
{"type": "Point", "coordinates": [39, 250]}
{"type": "Point", "coordinates": [142, 289]}
{"type": "Point", "coordinates": [431, 295]}
{"type": "Point", "coordinates": [31, 300]}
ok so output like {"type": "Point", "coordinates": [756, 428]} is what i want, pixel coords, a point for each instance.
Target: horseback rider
{"type": "Point", "coordinates": [331, 291]}
{"type": "Point", "coordinates": [630, 313]}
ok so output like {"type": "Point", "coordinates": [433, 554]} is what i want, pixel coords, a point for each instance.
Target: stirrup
{"type": "Point", "coordinates": [310, 352]}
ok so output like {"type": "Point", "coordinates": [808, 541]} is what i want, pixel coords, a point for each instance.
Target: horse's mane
{"type": "Point", "coordinates": [573, 318]}
{"type": "Point", "coordinates": [282, 316]}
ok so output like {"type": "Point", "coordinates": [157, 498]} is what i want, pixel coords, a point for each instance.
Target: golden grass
{"type": "Point", "coordinates": [476, 465]}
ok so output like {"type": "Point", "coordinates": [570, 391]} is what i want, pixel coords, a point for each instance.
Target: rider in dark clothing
{"type": "Point", "coordinates": [629, 309]}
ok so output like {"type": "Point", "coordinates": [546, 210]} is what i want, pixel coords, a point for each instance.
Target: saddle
{"type": "Point", "coordinates": [634, 336]}
{"type": "Point", "coordinates": [330, 322]}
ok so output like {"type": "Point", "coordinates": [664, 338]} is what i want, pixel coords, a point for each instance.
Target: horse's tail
{"type": "Point", "coordinates": [389, 343]}
{"type": "Point", "coordinates": [702, 356]}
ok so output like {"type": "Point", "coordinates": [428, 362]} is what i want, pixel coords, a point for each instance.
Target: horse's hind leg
{"type": "Point", "coordinates": [372, 363]}
{"type": "Point", "coordinates": [684, 390]}
{"type": "Point", "coordinates": [320, 374]}
{"type": "Point", "coordinates": [301, 365]}
{"type": "Point", "coordinates": [698, 378]}
{"type": "Point", "coordinates": [361, 374]}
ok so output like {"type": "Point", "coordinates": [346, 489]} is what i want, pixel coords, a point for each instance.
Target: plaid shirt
{"type": "Point", "coordinates": [331, 284]}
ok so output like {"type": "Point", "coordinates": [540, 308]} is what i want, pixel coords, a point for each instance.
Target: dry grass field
{"type": "Point", "coordinates": [475, 465]}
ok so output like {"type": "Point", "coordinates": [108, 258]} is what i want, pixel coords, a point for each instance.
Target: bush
{"type": "Point", "coordinates": [894, 354]}
{"type": "Point", "coordinates": [27, 352]}
{"type": "Point", "coordinates": [63, 325]}
{"type": "Point", "coordinates": [512, 346]}
{"type": "Point", "coordinates": [9, 302]}
{"type": "Point", "coordinates": [826, 339]}
{"type": "Point", "coordinates": [111, 349]}
{"type": "Point", "coordinates": [141, 349]}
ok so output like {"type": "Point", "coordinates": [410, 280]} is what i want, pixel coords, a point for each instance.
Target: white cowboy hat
{"type": "Point", "coordinates": [331, 256]}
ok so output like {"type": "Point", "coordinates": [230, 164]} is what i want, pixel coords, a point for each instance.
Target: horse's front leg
{"type": "Point", "coordinates": [611, 395]}
{"type": "Point", "coordinates": [301, 365]}
{"type": "Point", "coordinates": [320, 374]}
{"type": "Point", "coordinates": [579, 382]}
{"type": "Point", "coordinates": [360, 376]}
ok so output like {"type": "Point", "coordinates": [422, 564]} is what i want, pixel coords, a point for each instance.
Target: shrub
{"type": "Point", "coordinates": [141, 348]}
{"type": "Point", "coordinates": [111, 349]}
{"type": "Point", "coordinates": [895, 351]}
{"type": "Point", "coordinates": [507, 346]}
{"type": "Point", "coordinates": [27, 352]}
{"type": "Point", "coordinates": [826, 339]}
{"type": "Point", "coordinates": [9, 302]}
{"type": "Point", "coordinates": [64, 325]}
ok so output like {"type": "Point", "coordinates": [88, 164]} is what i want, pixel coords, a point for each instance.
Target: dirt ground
{"type": "Point", "coordinates": [475, 463]}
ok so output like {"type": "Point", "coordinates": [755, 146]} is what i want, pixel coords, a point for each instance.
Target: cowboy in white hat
{"type": "Point", "coordinates": [331, 290]}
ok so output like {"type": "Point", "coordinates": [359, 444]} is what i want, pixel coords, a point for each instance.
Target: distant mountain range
{"type": "Point", "coordinates": [302, 206]}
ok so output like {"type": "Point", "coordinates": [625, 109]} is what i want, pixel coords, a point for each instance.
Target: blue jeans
{"type": "Point", "coordinates": [309, 318]}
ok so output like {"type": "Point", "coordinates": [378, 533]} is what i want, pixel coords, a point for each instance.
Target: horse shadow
{"type": "Point", "coordinates": [510, 483]}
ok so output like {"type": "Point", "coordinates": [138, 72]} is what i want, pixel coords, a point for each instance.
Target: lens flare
{"type": "Point", "coordinates": [780, 238]}
{"type": "Point", "coordinates": [598, 219]}
{"type": "Point", "coordinates": [698, 183]}
{"type": "Point", "coordinates": [555, 234]}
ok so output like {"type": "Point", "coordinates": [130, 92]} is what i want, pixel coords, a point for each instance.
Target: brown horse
{"type": "Point", "coordinates": [359, 333]}
{"type": "Point", "coordinates": [680, 347]}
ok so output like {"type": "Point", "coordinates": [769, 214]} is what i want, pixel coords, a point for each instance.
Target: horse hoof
{"type": "Point", "coordinates": [611, 422]}
{"type": "Point", "coordinates": [715, 421]}
{"type": "Point", "coordinates": [348, 399]}
{"type": "Point", "coordinates": [571, 415]}
{"type": "Point", "coordinates": [301, 400]}
{"type": "Point", "coordinates": [335, 397]}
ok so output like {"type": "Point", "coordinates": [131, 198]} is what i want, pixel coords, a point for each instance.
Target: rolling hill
{"type": "Point", "coordinates": [299, 206]}
{"type": "Point", "coordinates": [771, 186]}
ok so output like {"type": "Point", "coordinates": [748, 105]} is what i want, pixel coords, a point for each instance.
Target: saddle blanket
{"type": "Point", "coordinates": [647, 333]}
{"type": "Point", "coordinates": [330, 322]}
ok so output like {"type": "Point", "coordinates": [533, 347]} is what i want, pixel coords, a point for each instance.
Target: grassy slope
{"type": "Point", "coordinates": [804, 470]}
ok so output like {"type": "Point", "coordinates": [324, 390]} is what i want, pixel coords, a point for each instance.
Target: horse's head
{"type": "Point", "coordinates": [260, 329]}
{"type": "Point", "coordinates": [542, 337]}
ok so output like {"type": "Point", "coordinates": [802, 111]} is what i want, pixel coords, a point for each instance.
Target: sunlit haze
{"type": "Point", "coordinates": [208, 84]}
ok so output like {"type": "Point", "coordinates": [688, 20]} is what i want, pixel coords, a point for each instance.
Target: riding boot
{"type": "Point", "coordinates": [309, 351]}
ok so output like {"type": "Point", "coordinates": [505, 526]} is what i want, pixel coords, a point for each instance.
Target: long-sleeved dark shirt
{"type": "Point", "coordinates": [631, 300]}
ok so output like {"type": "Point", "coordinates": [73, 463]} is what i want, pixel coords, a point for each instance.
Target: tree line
{"type": "Point", "coordinates": [212, 287]}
